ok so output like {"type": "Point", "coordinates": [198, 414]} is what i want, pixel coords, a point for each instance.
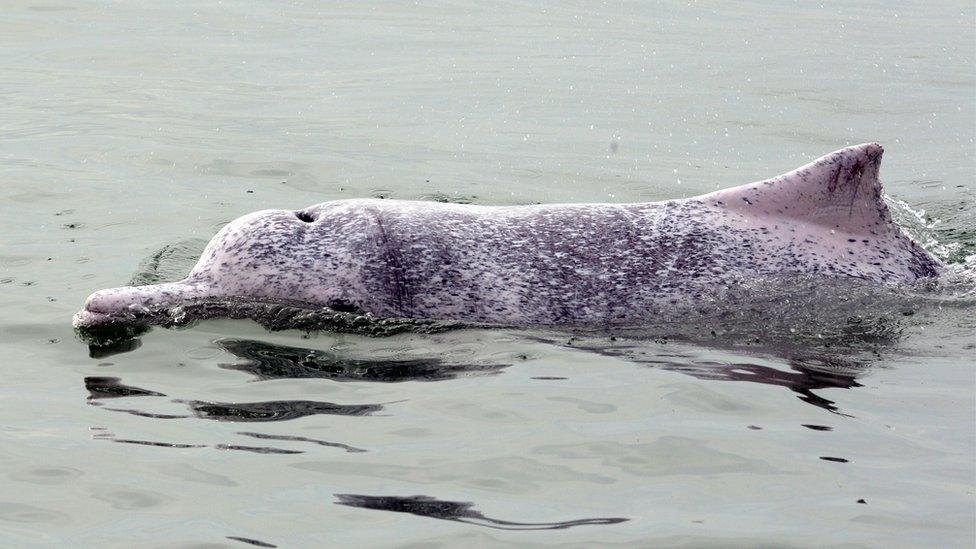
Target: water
{"type": "Point", "coordinates": [128, 128]}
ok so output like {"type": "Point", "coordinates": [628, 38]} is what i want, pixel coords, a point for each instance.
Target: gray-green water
{"type": "Point", "coordinates": [125, 128]}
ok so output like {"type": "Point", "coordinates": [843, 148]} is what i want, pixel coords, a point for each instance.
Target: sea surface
{"type": "Point", "coordinates": [805, 414]}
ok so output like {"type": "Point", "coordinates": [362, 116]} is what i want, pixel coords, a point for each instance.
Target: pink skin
{"type": "Point", "coordinates": [834, 199]}
{"type": "Point", "coordinates": [849, 200]}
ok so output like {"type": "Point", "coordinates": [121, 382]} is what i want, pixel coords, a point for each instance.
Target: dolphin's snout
{"type": "Point", "coordinates": [130, 303]}
{"type": "Point", "coordinates": [106, 301]}
{"type": "Point", "coordinates": [106, 307]}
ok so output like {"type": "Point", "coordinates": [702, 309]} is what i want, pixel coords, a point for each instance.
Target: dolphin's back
{"type": "Point", "coordinates": [607, 263]}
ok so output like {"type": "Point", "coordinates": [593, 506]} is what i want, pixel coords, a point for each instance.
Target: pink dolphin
{"type": "Point", "coordinates": [542, 264]}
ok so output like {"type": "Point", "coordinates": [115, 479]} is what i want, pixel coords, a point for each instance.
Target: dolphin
{"type": "Point", "coordinates": [548, 264]}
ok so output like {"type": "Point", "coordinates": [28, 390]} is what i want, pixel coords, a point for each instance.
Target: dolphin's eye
{"type": "Point", "coordinates": [344, 306]}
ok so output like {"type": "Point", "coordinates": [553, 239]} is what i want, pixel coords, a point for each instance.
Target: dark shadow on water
{"type": "Point", "coordinates": [108, 347]}
{"type": "Point", "coordinates": [269, 361]}
{"type": "Point", "coordinates": [805, 375]}
{"type": "Point", "coordinates": [458, 511]}
{"type": "Point", "coordinates": [291, 438]}
{"type": "Point", "coordinates": [276, 410]}
{"type": "Point", "coordinates": [103, 387]}
{"type": "Point", "coordinates": [251, 541]}
{"type": "Point", "coordinates": [154, 443]}
{"type": "Point", "coordinates": [111, 387]}
{"type": "Point", "coordinates": [257, 449]}
{"type": "Point", "coordinates": [800, 380]}
{"type": "Point", "coordinates": [110, 437]}
{"type": "Point", "coordinates": [141, 413]}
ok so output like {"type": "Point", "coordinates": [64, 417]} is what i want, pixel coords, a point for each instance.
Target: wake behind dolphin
{"type": "Point", "coordinates": [563, 264]}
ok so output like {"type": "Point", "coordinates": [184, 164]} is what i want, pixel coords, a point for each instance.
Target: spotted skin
{"type": "Point", "coordinates": [548, 264]}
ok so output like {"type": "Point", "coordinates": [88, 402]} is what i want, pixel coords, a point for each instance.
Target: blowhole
{"type": "Point", "coordinates": [343, 306]}
{"type": "Point", "coordinates": [304, 216]}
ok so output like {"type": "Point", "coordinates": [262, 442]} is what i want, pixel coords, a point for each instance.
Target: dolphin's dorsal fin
{"type": "Point", "coordinates": [839, 191]}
